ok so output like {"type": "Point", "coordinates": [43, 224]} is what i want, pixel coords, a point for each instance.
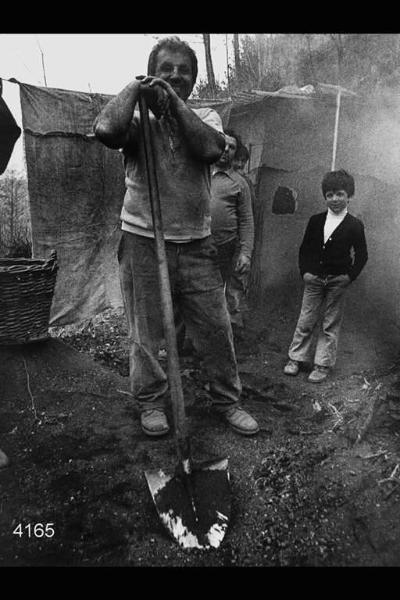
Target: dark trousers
{"type": "Point", "coordinates": [198, 297]}
{"type": "Point", "coordinates": [235, 283]}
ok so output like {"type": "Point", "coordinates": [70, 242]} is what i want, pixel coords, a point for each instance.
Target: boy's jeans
{"type": "Point", "coordinates": [331, 291]}
{"type": "Point", "coordinates": [198, 295]}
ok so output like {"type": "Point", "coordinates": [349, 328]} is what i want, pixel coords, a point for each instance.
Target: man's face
{"type": "Point", "coordinates": [336, 200]}
{"type": "Point", "coordinates": [226, 157]}
{"type": "Point", "coordinates": [176, 69]}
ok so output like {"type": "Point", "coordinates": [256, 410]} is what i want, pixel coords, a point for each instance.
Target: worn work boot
{"type": "Point", "coordinates": [240, 420]}
{"type": "Point", "coordinates": [291, 367]}
{"type": "Point", "coordinates": [3, 459]}
{"type": "Point", "coordinates": [318, 374]}
{"type": "Point", "coordinates": [154, 422]}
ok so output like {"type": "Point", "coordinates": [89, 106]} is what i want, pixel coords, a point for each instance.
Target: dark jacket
{"type": "Point", "coordinates": [344, 252]}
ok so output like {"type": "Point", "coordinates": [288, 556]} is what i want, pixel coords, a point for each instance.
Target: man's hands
{"type": "Point", "coordinates": [344, 277]}
{"type": "Point", "coordinates": [158, 94]}
{"type": "Point", "coordinates": [308, 276]}
{"type": "Point", "coordinates": [242, 263]}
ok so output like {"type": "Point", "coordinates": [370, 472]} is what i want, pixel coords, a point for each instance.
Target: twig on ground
{"type": "Point", "coordinates": [366, 384]}
{"type": "Point", "coordinates": [394, 488]}
{"type": "Point", "coordinates": [374, 455]}
{"type": "Point", "coordinates": [338, 414]}
{"type": "Point", "coordinates": [336, 425]}
{"type": "Point", "coordinates": [125, 393]}
{"type": "Point", "coordinates": [391, 476]}
{"type": "Point", "coordinates": [335, 410]}
{"type": "Point", "coordinates": [29, 390]}
{"type": "Point", "coordinates": [376, 402]}
{"type": "Point", "coordinates": [391, 479]}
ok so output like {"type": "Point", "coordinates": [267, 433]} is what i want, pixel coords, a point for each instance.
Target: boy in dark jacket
{"type": "Point", "coordinates": [332, 255]}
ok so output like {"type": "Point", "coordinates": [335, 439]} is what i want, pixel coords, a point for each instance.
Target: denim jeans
{"type": "Point", "coordinates": [321, 296]}
{"type": "Point", "coordinates": [198, 297]}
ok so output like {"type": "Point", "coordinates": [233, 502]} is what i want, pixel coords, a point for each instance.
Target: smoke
{"type": "Point", "coordinates": [379, 137]}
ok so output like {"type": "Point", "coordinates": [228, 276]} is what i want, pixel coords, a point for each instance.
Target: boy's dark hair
{"type": "Point", "coordinates": [338, 180]}
{"type": "Point", "coordinates": [175, 44]}
{"type": "Point", "coordinates": [235, 135]}
{"type": "Point", "coordinates": [242, 153]}
{"type": "Point", "coordinates": [241, 150]}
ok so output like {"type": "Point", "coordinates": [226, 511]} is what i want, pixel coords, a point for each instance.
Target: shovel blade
{"type": "Point", "coordinates": [200, 519]}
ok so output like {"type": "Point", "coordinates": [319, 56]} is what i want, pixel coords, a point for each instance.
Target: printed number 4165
{"type": "Point", "coordinates": [37, 530]}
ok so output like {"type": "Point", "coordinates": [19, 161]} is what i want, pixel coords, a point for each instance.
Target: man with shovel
{"type": "Point", "coordinates": [186, 142]}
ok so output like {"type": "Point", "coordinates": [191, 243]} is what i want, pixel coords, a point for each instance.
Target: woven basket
{"type": "Point", "coordinates": [26, 294]}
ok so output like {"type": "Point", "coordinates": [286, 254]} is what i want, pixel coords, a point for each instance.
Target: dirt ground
{"type": "Point", "coordinates": [318, 486]}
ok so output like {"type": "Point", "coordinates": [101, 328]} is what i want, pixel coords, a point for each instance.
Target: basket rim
{"type": "Point", "coordinates": [22, 261]}
{"type": "Point", "coordinates": [18, 265]}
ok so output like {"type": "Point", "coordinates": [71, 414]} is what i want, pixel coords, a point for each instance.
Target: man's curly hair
{"type": "Point", "coordinates": [175, 44]}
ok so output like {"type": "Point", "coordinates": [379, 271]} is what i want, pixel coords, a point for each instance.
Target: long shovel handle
{"type": "Point", "coordinates": [178, 406]}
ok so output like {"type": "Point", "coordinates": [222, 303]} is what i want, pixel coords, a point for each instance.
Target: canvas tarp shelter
{"type": "Point", "coordinates": [76, 189]}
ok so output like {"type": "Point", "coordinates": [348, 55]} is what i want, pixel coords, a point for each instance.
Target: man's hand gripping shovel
{"type": "Point", "coordinates": [193, 503]}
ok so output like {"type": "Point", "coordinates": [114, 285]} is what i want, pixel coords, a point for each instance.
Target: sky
{"type": "Point", "coordinates": [102, 63]}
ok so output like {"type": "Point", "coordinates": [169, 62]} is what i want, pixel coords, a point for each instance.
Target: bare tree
{"type": "Point", "coordinates": [337, 39]}
{"type": "Point", "coordinates": [43, 65]}
{"type": "Point", "coordinates": [260, 56]}
{"type": "Point", "coordinates": [236, 53]}
{"type": "Point", "coordinates": [209, 64]}
{"type": "Point", "coordinates": [310, 58]}
{"type": "Point", "coordinates": [15, 230]}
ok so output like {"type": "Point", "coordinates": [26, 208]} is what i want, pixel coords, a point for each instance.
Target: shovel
{"type": "Point", "coordinates": [193, 502]}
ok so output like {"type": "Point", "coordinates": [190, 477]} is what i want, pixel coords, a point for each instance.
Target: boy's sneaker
{"type": "Point", "coordinates": [154, 422]}
{"type": "Point", "coordinates": [318, 374]}
{"type": "Point", "coordinates": [291, 368]}
{"type": "Point", "coordinates": [240, 420]}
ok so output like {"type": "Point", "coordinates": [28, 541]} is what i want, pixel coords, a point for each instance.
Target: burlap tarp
{"type": "Point", "coordinates": [76, 189]}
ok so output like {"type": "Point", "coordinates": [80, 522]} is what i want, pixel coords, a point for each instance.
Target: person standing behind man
{"type": "Point", "coordinates": [238, 284]}
{"type": "Point", "coordinates": [186, 142]}
{"type": "Point", "coordinates": [232, 225]}
{"type": "Point", "coordinates": [240, 160]}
